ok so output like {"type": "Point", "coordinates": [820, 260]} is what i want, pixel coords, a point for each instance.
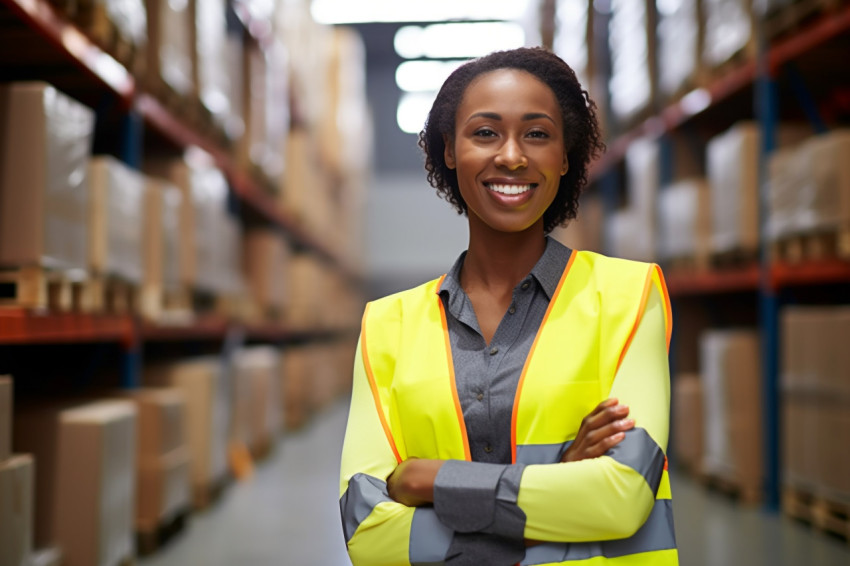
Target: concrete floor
{"type": "Point", "coordinates": [287, 514]}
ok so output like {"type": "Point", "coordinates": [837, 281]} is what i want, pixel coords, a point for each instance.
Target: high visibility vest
{"type": "Point", "coordinates": [571, 367]}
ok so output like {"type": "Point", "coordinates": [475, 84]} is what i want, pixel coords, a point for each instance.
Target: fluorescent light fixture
{"type": "Point", "coordinates": [457, 40]}
{"type": "Point", "coordinates": [366, 11]}
{"type": "Point", "coordinates": [424, 76]}
{"type": "Point", "coordinates": [413, 110]}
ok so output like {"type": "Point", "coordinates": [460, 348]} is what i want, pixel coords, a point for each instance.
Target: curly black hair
{"type": "Point", "coordinates": [582, 137]}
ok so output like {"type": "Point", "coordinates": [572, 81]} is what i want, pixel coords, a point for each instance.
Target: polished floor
{"type": "Point", "coordinates": [287, 514]}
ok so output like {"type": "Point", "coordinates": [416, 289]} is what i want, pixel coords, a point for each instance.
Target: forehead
{"type": "Point", "coordinates": [507, 89]}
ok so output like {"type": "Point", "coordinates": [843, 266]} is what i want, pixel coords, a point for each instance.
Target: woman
{"type": "Point", "coordinates": [516, 409]}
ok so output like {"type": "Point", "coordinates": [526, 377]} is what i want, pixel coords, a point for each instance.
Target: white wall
{"type": "Point", "coordinates": [412, 235]}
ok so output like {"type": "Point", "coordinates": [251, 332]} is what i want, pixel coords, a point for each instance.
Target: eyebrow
{"type": "Point", "coordinates": [525, 117]}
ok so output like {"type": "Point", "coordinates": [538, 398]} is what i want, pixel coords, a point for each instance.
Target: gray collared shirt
{"type": "Point", "coordinates": [487, 376]}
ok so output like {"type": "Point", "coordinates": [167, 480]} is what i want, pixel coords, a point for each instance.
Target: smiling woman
{"type": "Point", "coordinates": [514, 410]}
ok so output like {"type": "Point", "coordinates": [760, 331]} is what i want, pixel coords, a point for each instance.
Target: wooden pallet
{"type": "Point", "coordinates": [748, 494]}
{"type": "Point", "coordinates": [40, 288]}
{"type": "Point", "coordinates": [821, 513]}
{"type": "Point", "coordinates": [112, 295]}
{"type": "Point", "coordinates": [834, 244]}
{"type": "Point", "coordinates": [149, 541]}
{"type": "Point", "coordinates": [733, 259]}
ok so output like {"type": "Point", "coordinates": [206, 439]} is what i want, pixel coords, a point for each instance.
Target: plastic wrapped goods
{"type": "Point", "coordinates": [45, 145]}
{"type": "Point", "coordinates": [731, 376]}
{"type": "Point", "coordinates": [684, 220]}
{"type": "Point", "coordinates": [210, 51]}
{"type": "Point", "coordinates": [115, 219]}
{"type": "Point", "coordinates": [732, 168]}
{"type": "Point", "coordinates": [571, 37]}
{"type": "Point", "coordinates": [86, 457]}
{"type": "Point", "coordinates": [784, 181]}
{"type": "Point", "coordinates": [728, 29]}
{"type": "Point", "coordinates": [824, 192]}
{"type": "Point", "coordinates": [161, 243]}
{"type": "Point", "coordinates": [630, 85]}
{"type": "Point", "coordinates": [678, 44]}
{"type": "Point", "coordinates": [170, 48]}
{"type": "Point", "coordinates": [630, 237]}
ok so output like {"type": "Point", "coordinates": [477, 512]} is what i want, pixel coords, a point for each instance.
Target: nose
{"type": "Point", "coordinates": [511, 155]}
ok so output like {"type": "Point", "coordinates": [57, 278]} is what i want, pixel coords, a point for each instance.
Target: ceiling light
{"type": "Point", "coordinates": [457, 40]}
{"type": "Point", "coordinates": [366, 11]}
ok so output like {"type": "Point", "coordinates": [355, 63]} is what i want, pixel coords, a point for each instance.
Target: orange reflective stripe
{"type": "Point", "coordinates": [373, 385]}
{"type": "Point", "coordinates": [647, 285]}
{"type": "Point", "coordinates": [466, 453]}
{"type": "Point", "coordinates": [668, 310]}
{"type": "Point", "coordinates": [531, 354]}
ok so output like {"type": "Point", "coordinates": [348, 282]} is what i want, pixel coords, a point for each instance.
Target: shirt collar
{"type": "Point", "coordinates": [547, 272]}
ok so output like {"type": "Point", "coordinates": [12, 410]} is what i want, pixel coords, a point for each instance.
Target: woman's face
{"type": "Point", "coordinates": [508, 150]}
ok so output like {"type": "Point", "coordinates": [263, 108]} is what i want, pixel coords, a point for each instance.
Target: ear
{"type": "Point", "coordinates": [566, 165]}
{"type": "Point", "coordinates": [449, 152]}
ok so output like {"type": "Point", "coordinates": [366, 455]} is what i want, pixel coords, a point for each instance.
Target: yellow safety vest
{"type": "Point", "coordinates": [582, 340]}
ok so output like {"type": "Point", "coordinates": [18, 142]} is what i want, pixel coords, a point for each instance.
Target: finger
{"type": "Point", "coordinates": [605, 417]}
{"type": "Point", "coordinates": [610, 429]}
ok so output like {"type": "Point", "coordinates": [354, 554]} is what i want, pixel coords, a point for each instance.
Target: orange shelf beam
{"type": "Point", "coordinates": [713, 282]}
{"type": "Point", "coordinates": [810, 273]}
{"type": "Point", "coordinates": [75, 46]}
{"type": "Point", "coordinates": [21, 326]}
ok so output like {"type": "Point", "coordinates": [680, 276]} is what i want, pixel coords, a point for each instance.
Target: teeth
{"type": "Point", "coordinates": [510, 189]}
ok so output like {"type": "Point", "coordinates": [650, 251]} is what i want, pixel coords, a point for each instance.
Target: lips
{"type": "Point", "coordinates": [510, 188]}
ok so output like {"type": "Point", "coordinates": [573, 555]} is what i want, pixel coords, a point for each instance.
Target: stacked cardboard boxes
{"type": "Point", "coordinates": [632, 230]}
{"type": "Point", "coordinates": [815, 378]}
{"type": "Point", "coordinates": [85, 480]}
{"type": "Point", "coordinates": [688, 422]}
{"type": "Point", "coordinates": [257, 410]}
{"type": "Point", "coordinates": [731, 378]}
{"type": "Point", "coordinates": [684, 214]}
{"type": "Point", "coordinates": [17, 477]}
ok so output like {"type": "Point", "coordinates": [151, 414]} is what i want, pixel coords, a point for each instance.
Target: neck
{"type": "Point", "coordinates": [499, 261]}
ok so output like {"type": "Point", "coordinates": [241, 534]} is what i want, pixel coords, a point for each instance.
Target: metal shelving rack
{"type": "Point", "coordinates": [765, 279]}
{"type": "Point", "coordinates": [37, 43]}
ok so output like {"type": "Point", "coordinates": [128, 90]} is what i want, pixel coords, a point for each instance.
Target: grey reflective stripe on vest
{"type": "Point", "coordinates": [656, 534]}
{"type": "Point", "coordinates": [637, 451]}
{"type": "Point", "coordinates": [429, 538]}
{"type": "Point", "coordinates": [364, 493]}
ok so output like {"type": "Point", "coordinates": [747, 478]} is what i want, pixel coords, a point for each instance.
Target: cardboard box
{"type": "Point", "coordinates": [684, 221]}
{"type": "Point", "coordinates": [265, 255]}
{"type": "Point", "coordinates": [297, 400]}
{"type": "Point", "coordinates": [160, 245]}
{"type": "Point", "coordinates": [45, 144]}
{"type": "Point", "coordinates": [207, 421]}
{"type": "Point", "coordinates": [116, 196]}
{"type": "Point", "coordinates": [161, 425]}
{"type": "Point", "coordinates": [16, 510]}
{"type": "Point", "coordinates": [163, 488]}
{"type": "Point", "coordinates": [85, 478]}
{"type": "Point", "coordinates": [731, 374]}
{"type": "Point", "coordinates": [688, 422]}
{"type": "Point", "coordinates": [170, 47]}
{"type": "Point", "coordinates": [6, 391]}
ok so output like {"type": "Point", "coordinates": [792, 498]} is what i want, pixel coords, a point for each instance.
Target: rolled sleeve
{"type": "Point", "coordinates": [474, 497]}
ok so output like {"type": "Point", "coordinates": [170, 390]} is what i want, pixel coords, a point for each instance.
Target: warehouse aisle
{"type": "Point", "coordinates": [288, 515]}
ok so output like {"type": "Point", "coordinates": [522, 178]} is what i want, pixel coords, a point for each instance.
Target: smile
{"type": "Point", "coordinates": [509, 189]}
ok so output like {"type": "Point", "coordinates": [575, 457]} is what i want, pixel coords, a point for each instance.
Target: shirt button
{"type": "Point", "coordinates": [480, 397]}
{"type": "Point", "coordinates": [488, 449]}
{"type": "Point", "coordinates": [494, 351]}
{"type": "Point", "coordinates": [512, 310]}
{"type": "Point", "coordinates": [525, 286]}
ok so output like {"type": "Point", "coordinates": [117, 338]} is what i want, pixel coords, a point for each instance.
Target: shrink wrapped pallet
{"type": "Point", "coordinates": [731, 377]}
{"type": "Point", "coordinates": [784, 173]}
{"type": "Point", "coordinates": [6, 388]}
{"type": "Point", "coordinates": [206, 389]}
{"type": "Point", "coordinates": [116, 197]}
{"type": "Point", "coordinates": [170, 48]}
{"type": "Point", "coordinates": [17, 478]}
{"type": "Point", "coordinates": [679, 44]}
{"type": "Point", "coordinates": [209, 53]}
{"type": "Point", "coordinates": [631, 32]}
{"type": "Point", "coordinates": [824, 193]}
{"type": "Point", "coordinates": [265, 259]}
{"type": "Point", "coordinates": [729, 31]}
{"type": "Point", "coordinates": [85, 479]}
{"type": "Point", "coordinates": [111, 21]}
{"type": "Point", "coordinates": [257, 418]}
{"type": "Point", "coordinates": [161, 245]}
{"type": "Point", "coordinates": [684, 221]}
{"type": "Point", "coordinates": [573, 40]}
{"type": "Point", "coordinates": [688, 425]}
{"type": "Point", "coordinates": [732, 170]}
{"type": "Point", "coordinates": [45, 145]}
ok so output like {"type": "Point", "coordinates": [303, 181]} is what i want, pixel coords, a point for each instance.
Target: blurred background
{"type": "Point", "coordinates": [197, 198]}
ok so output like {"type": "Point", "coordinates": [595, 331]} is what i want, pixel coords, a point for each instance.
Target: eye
{"type": "Point", "coordinates": [538, 134]}
{"type": "Point", "coordinates": [484, 133]}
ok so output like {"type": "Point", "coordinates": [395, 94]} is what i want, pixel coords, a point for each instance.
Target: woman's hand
{"type": "Point", "coordinates": [601, 430]}
{"type": "Point", "coordinates": [412, 482]}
